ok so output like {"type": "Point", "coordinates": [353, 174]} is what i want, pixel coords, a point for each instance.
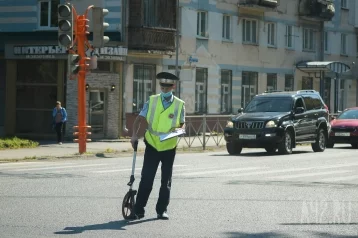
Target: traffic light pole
{"type": "Point", "coordinates": [81, 39]}
{"type": "Point", "coordinates": [71, 24]}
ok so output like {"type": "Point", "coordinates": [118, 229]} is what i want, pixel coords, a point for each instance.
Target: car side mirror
{"type": "Point", "coordinates": [299, 110]}
{"type": "Point", "coordinates": [240, 110]}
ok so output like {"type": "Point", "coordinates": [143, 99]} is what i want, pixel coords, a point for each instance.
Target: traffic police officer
{"type": "Point", "coordinates": [163, 113]}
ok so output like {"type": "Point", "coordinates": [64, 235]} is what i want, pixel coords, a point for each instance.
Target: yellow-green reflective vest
{"type": "Point", "coordinates": [161, 121]}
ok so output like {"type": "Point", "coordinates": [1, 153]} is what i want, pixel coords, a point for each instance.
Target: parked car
{"type": "Point", "coordinates": [279, 121]}
{"type": "Point", "coordinates": [344, 128]}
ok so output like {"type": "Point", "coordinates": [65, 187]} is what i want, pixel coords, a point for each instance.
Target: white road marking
{"type": "Point", "coordinates": [344, 178]}
{"type": "Point", "coordinates": [58, 167]}
{"type": "Point", "coordinates": [122, 170]}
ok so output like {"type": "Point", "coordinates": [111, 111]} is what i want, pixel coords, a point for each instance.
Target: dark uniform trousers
{"type": "Point", "coordinates": [152, 157]}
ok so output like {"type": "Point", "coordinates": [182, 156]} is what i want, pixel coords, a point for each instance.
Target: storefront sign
{"type": "Point", "coordinates": [58, 52]}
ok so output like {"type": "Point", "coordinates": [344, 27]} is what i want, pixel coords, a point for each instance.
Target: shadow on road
{"type": "Point", "coordinates": [280, 235]}
{"type": "Point", "coordinates": [112, 225]}
{"type": "Point", "coordinates": [262, 154]}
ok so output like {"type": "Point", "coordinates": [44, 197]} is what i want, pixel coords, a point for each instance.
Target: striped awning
{"type": "Point", "coordinates": [326, 66]}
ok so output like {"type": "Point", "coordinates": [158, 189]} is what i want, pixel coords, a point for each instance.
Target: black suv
{"type": "Point", "coordinates": [279, 121]}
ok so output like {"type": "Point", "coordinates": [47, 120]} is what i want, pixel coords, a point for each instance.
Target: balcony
{"type": "Point", "coordinates": [152, 25]}
{"type": "Point", "coordinates": [316, 10]}
{"type": "Point", "coordinates": [258, 5]}
{"type": "Point", "coordinates": [148, 38]}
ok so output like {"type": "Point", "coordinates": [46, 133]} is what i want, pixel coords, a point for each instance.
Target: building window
{"type": "Point", "coordinates": [48, 13]}
{"type": "Point", "coordinates": [326, 42]}
{"type": "Point", "coordinates": [226, 27]}
{"type": "Point", "coordinates": [289, 82]}
{"type": "Point", "coordinates": [271, 82]}
{"type": "Point", "coordinates": [143, 85]}
{"type": "Point", "coordinates": [327, 91]}
{"type": "Point", "coordinates": [226, 89]}
{"type": "Point", "coordinates": [249, 87]}
{"type": "Point", "coordinates": [271, 34]}
{"type": "Point", "coordinates": [201, 85]}
{"type": "Point", "coordinates": [344, 4]}
{"type": "Point", "coordinates": [343, 44]}
{"type": "Point", "coordinates": [103, 66]}
{"type": "Point", "coordinates": [307, 83]}
{"type": "Point", "coordinates": [202, 24]}
{"type": "Point", "coordinates": [341, 96]}
{"type": "Point", "coordinates": [289, 36]}
{"type": "Point", "coordinates": [36, 92]}
{"type": "Point", "coordinates": [171, 69]}
{"type": "Point", "coordinates": [357, 46]}
{"type": "Point", "coordinates": [249, 33]}
{"type": "Point", "coordinates": [308, 39]}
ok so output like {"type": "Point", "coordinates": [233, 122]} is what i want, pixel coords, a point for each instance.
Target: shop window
{"type": "Point", "coordinates": [271, 82]}
{"type": "Point", "coordinates": [36, 95]}
{"type": "Point", "coordinates": [307, 83]}
{"type": "Point", "coordinates": [143, 85]}
{"type": "Point", "coordinates": [226, 91]}
{"type": "Point", "coordinates": [201, 85]}
{"type": "Point", "coordinates": [176, 90]}
{"type": "Point", "coordinates": [48, 13]}
{"type": "Point", "coordinates": [289, 82]}
{"type": "Point", "coordinates": [249, 87]}
{"type": "Point", "coordinates": [103, 66]}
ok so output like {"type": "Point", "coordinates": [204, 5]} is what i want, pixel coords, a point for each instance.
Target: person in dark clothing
{"type": "Point", "coordinates": [59, 116]}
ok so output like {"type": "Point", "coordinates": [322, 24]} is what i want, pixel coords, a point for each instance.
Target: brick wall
{"type": "Point", "coordinates": [95, 81]}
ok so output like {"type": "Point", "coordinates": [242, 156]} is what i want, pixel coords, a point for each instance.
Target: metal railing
{"type": "Point", "coordinates": [203, 131]}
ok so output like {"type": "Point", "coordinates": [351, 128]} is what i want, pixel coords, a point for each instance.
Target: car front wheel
{"type": "Point", "coordinates": [285, 147]}
{"type": "Point", "coordinates": [321, 140]}
{"type": "Point", "coordinates": [233, 148]}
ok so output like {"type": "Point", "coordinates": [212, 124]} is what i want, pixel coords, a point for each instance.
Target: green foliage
{"type": "Point", "coordinates": [16, 143]}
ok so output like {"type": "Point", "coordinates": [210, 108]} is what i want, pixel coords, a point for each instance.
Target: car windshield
{"type": "Point", "coordinates": [269, 104]}
{"type": "Point", "coordinates": [349, 114]}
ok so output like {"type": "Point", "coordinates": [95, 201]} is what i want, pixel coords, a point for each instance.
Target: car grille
{"type": "Point", "coordinates": [343, 129]}
{"type": "Point", "coordinates": [249, 124]}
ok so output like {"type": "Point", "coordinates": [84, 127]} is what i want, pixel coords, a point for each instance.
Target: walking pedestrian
{"type": "Point", "coordinates": [59, 116]}
{"type": "Point", "coordinates": [163, 113]}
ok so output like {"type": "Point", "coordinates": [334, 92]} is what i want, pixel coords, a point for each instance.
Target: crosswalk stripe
{"type": "Point", "coordinates": [122, 170]}
{"type": "Point", "coordinates": [343, 178]}
{"type": "Point", "coordinates": [310, 174]}
{"type": "Point", "coordinates": [292, 170]}
{"type": "Point", "coordinates": [218, 171]}
{"type": "Point", "coordinates": [58, 167]}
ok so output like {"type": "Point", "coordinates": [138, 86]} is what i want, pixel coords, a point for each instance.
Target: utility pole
{"type": "Point", "coordinates": [177, 46]}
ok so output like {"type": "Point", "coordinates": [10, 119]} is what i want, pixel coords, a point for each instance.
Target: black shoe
{"type": "Point", "coordinates": [163, 216]}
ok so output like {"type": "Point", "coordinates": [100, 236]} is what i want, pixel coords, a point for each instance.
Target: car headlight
{"type": "Point", "coordinates": [229, 124]}
{"type": "Point", "coordinates": [271, 124]}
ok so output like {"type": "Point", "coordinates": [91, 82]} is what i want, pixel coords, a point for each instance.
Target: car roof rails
{"type": "Point", "coordinates": [307, 91]}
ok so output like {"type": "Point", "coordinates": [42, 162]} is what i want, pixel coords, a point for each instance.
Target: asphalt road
{"type": "Point", "coordinates": [213, 195]}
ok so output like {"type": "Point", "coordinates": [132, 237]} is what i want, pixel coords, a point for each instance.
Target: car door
{"type": "Point", "coordinates": [300, 119]}
{"type": "Point", "coordinates": [310, 130]}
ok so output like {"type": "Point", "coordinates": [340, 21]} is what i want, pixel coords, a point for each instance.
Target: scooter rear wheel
{"type": "Point", "coordinates": [128, 205]}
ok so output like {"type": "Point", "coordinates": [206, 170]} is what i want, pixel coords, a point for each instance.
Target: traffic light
{"type": "Point", "coordinates": [74, 64]}
{"type": "Point", "coordinates": [99, 26]}
{"type": "Point", "coordinates": [65, 25]}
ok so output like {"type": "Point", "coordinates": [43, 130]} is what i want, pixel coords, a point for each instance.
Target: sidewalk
{"type": "Point", "coordinates": [68, 149]}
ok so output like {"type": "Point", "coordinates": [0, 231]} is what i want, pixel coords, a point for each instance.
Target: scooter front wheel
{"type": "Point", "coordinates": [128, 205]}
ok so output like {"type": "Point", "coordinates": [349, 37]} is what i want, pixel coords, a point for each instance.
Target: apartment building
{"type": "Point", "coordinates": [243, 48]}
